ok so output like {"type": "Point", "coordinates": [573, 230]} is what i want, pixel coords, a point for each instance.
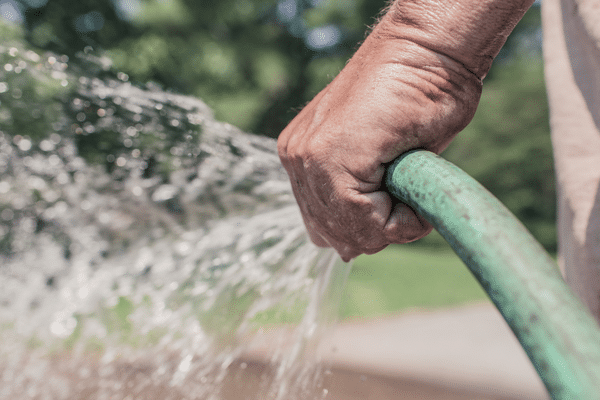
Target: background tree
{"type": "Point", "coordinates": [253, 61]}
{"type": "Point", "coordinates": [257, 62]}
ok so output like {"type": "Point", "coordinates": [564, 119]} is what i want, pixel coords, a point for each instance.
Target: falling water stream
{"type": "Point", "coordinates": [144, 245]}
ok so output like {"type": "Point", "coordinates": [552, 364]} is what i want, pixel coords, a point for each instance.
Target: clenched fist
{"type": "Point", "coordinates": [394, 95]}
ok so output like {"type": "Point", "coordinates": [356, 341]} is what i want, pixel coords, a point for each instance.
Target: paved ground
{"type": "Point", "coordinates": [469, 347]}
{"type": "Point", "coordinates": [461, 353]}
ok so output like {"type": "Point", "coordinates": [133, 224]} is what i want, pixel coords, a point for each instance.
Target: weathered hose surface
{"type": "Point", "coordinates": [559, 336]}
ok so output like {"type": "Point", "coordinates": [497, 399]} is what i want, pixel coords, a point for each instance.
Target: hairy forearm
{"type": "Point", "coordinates": [471, 32]}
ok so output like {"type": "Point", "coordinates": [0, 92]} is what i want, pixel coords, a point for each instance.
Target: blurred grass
{"type": "Point", "coordinates": [402, 277]}
{"type": "Point", "coordinates": [426, 274]}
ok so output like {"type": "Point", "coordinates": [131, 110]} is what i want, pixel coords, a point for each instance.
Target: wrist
{"type": "Point", "coordinates": [470, 32]}
{"type": "Point", "coordinates": [417, 97]}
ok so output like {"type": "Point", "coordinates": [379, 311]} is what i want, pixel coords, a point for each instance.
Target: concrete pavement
{"type": "Point", "coordinates": [469, 348]}
{"type": "Point", "coordinates": [467, 352]}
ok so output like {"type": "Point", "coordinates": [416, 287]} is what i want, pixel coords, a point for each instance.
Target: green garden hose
{"type": "Point", "coordinates": [553, 326]}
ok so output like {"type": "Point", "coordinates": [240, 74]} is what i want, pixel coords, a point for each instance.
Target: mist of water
{"type": "Point", "coordinates": [143, 245]}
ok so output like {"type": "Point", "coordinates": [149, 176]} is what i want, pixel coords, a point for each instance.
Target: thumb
{"type": "Point", "coordinates": [405, 225]}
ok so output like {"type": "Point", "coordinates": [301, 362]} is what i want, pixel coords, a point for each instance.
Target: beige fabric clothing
{"type": "Point", "coordinates": [572, 69]}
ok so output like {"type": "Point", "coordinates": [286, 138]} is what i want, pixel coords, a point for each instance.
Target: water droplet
{"type": "Point", "coordinates": [121, 161]}
{"type": "Point", "coordinates": [81, 117]}
{"type": "Point", "coordinates": [183, 248]}
{"type": "Point", "coordinates": [85, 205]}
{"type": "Point", "coordinates": [32, 55]}
{"type": "Point", "coordinates": [4, 187]}
{"type": "Point", "coordinates": [131, 131]}
{"type": "Point", "coordinates": [36, 182]}
{"type": "Point", "coordinates": [51, 196]}
{"type": "Point", "coordinates": [17, 93]}
{"type": "Point", "coordinates": [24, 144]}
{"type": "Point", "coordinates": [3, 87]}
{"type": "Point", "coordinates": [101, 112]}
{"type": "Point", "coordinates": [89, 127]}
{"type": "Point", "coordinates": [51, 60]}
{"type": "Point", "coordinates": [56, 138]}
{"type": "Point", "coordinates": [164, 192]}
{"type": "Point", "coordinates": [194, 119]}
{"type": "Point", "coordinates": [83, 292]}
{"type": "Point", "coordinates": [13, 51]}
{"type": "Point", "coordinates": [54, 160]}
{"type": "Point", "coordinates": [186, 363]}
{"type": "Point", "coordinates": [46, 145]}
{"type": "Point", "coordinates": [63, 326]}
{"type": "Point", "coordinates": [58, 75]}
{"type": "Point", "coordinates": [61, 207]}
{"type": "Point", "coordinates": [104, 218]}
{"type": "Point", "coordinates": [7, 214]}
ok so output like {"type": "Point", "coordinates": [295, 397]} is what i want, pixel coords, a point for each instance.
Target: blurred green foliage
{"type": "Point", "coordinates": [257, 62]}
{"type": "Point", "coordinates": [254, 61]}
{"type": "Point", "coordinates": [27, 94]}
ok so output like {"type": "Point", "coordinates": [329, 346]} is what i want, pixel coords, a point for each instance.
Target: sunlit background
{"type": "Point", "coordinates": [257, 62]}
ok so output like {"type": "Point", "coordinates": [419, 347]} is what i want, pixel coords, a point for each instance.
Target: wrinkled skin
{"type": "Point", "coordinates": [394, 95]}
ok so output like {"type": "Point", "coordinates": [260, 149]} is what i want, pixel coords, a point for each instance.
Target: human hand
{"type": "Point", "coordinates": [393, 96]}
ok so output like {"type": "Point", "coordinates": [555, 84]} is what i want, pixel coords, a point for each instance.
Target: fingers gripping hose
{"type": "Point", "coordinates": [559, 336]}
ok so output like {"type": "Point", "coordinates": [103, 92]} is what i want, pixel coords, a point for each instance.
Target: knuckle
{"type": "Point", "coordinates": [409, 228]}
{"type": "Point", "coordinates": [420, 233]}
{"type": "Point", "coordinates": [417, 232]}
